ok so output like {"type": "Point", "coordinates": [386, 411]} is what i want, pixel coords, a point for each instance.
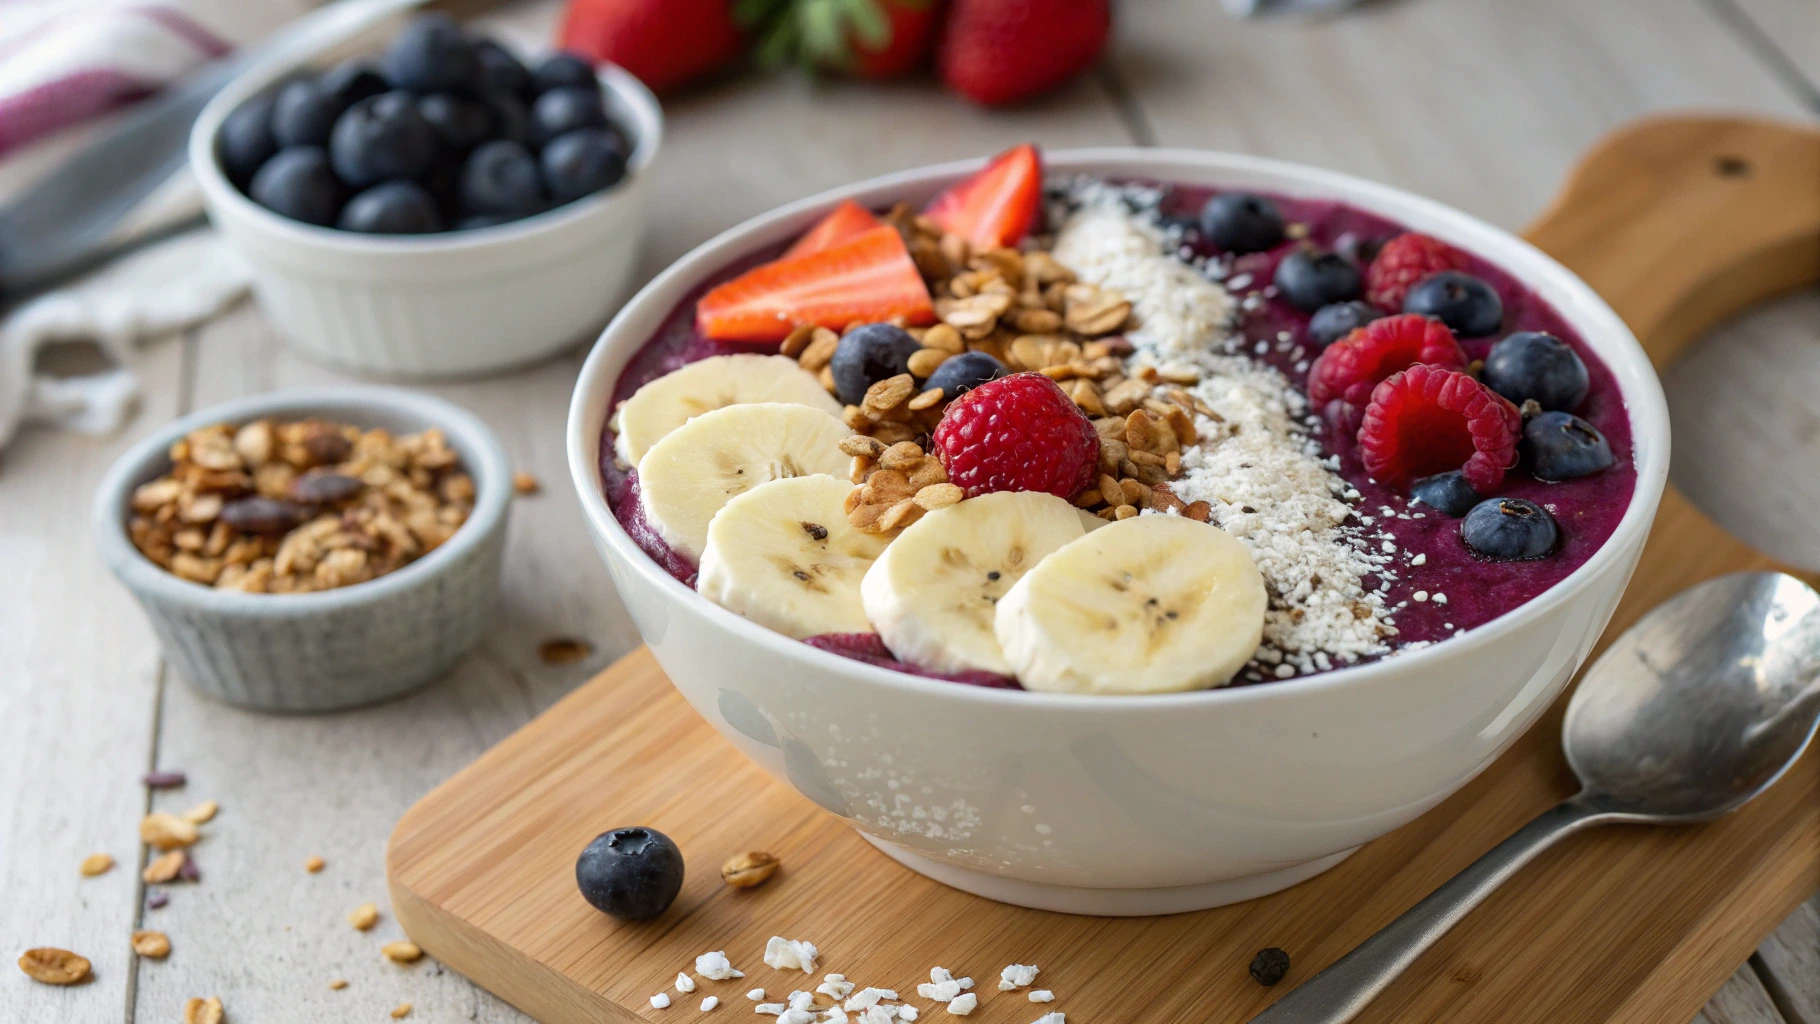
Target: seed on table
{"type": "Point", "coordinates": [54, 966]}
{"type": "Point", "coordinates": [338, 984]}
{"type": "Point", "coordinates": [401, 1011]}
{"type": "Point", "coordinates": [157, 900]}
{"type": "Point", "coordinates": [156, 945]}
{"type": "Point", "coordinates": [1269, 966]}
{"type": "Point", "coordinates": [202, 1011]}
{"type": "Point", "coordinates": [95, 864]}
{"type": "Point", "coordinates": [202, 813]}
{"type": "Point", "coordinates": [314, 864]}
{"type": "Point", "coordinates": [364, 916]}
{"type": "Point", "coordinates": [162, 830]}
{"type": "Point", "coordinates": [402, 952]}
{"type": "Point", "coordinates": [525, 483]}
{"type": "Point", "coordinates": [164, 779]}
{"type": "Point", "coordinates": [564, 650]}
{"type": "Point", "coordinates": [165, 868]}
{"type": "Point", "coordinates": [747, 870]}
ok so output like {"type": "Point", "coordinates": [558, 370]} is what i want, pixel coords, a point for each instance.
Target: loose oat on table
{"type": "Point", "coordinates": [203, 1011]}
{"type": "Point", "coordinates": [54, 966]}
{"type": "Point", "coordinates": [96, 864]}
{"type": "Point", "coordinates": [747, 870]}
{"type": "Point", "coordinates": [162, 830]}
{"type": "Point", "coordinates": [563, 650]}
{"type": "Point", "coordinates": [402, 952]}
{"type": "Point", "coordinates": [302, 506]}
{"type": "Point", "coordinates": [338, 984]}
{"type": "Point", "coordinates": [525, 483]}
{"type": "Point", "coordinates": [364, 916]}
{"type": "Point", "coordinates": [401, 1011]}
{"type": "Point", "coordinates": [202, 813]}
{"type": "Point", "coordinates": [156, 945]}
{"type": "Point", "coordinates": [314, 864]}
{"type": "Point", "coordinates": [165, 868]}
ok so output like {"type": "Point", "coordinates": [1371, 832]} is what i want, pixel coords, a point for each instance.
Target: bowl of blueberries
{"type": "Point", "coordinates": [433, 205]}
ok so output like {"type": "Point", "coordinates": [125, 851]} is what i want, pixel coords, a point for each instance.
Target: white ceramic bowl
{"type": "Point", "coordinates": [1139, 804]}
{"type": "Point", "coordinates": [444, 305]}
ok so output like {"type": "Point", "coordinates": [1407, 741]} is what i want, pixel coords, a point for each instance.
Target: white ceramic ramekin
{"type": "Point", "coordinates": [334, 648]}
{"type": "Point", "coordinates": [1140, 804]}
{"type": "Point", "coordinates": [444, 305]}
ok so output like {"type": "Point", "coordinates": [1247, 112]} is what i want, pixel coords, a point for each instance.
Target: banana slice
{"type": "Point", "coordinates": [1153, 604]}
{"type": "Point", "coordinates": [932, 594]}
{"type": "Point", "coordinates": [708, 384]}
{"type": "Point", "coordinates": [783, 555]}
{"type": "Point", "coordinates": [686, 477]}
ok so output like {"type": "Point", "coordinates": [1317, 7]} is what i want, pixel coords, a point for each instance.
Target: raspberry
{"type": "Point", "coordinates": [1352, 366]}
{"type": "Point", "coordinates": [1017, 433]}
{"type": "Point", "coordinates": [1402, 262]}
{"type": "Point", "coordinates": [1427, 420]}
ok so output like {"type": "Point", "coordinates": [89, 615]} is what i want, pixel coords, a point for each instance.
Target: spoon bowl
{"type": "Point", "coordinates": [1701, 705]}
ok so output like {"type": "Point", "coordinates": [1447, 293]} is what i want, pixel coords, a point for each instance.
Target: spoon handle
{"type": "Point", "coordinates": [1337, 994]}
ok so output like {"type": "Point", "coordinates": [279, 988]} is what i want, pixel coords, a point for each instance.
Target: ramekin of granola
{"type": "Point", "coordinates": [311, 550]}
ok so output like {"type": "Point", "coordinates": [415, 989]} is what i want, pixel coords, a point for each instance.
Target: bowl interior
{"type": "Point", "coordinates": [1590, 315]}
{"type": "Point", "coordinates": [400, 412]}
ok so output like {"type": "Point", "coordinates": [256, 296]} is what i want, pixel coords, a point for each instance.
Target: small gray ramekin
{"type": "Point", "coordinates": [335, 648]}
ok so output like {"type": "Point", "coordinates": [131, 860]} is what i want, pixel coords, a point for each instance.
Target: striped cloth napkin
{"type": "Point", "coordinates": [69, 69]}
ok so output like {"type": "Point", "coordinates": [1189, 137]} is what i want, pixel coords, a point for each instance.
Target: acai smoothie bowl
{"type": "Point", "coordinates": [1119, 531]}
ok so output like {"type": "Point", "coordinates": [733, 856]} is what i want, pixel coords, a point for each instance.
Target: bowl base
{"type": "Point", "coordinates": [1070, 899]}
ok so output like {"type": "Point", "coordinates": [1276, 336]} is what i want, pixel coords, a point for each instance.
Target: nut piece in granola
{"type": "Point", "coordinates": [54, 966]}
{"type": "Point", "coordinates": [162, 830]}
{"type": "Point", "coordinates": [294, 507]}
{"type": "Point", "coordinates": [165, 868]}
{"type": "Point", "coordinates": [748, 870]}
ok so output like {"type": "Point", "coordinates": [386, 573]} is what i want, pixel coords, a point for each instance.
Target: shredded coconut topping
{"type": "Point", "coordinates": [790, 954]}
{"type": "Point", "coordinates": [716, 967]}
{"type": "Point", "coordinates": [1017, 976]}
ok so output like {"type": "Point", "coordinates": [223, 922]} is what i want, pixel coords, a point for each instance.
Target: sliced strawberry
{"type": "Point", "coordinates": [1427, 420]}
{"type": "Point", "coordinates": [847, 220]}
{"type": "Point", "coordinates": [867, 277]}
{"type": "Point", "coordinates": [1352, 366]}
{"type": "Point", "coordinates": [998, 206]}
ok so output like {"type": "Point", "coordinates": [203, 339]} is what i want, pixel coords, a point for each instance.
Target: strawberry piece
{"type": "Point", "coordinates": [1352, 366]}
{"type": "Point", "coordinates": [1002, 51]}
{"type": "Point", "coordinates": [997, 207]}
{"type": "Point", "coordinates": [1403, 263]}
{"type": "Point", "coordinates": [867, 277]}
{"type": "Point", "coordinates": [1427, 420]}
{"type": "Point", "coordinates": [847, 220]}
{"type": "Point", "coordinates": [664, 44]}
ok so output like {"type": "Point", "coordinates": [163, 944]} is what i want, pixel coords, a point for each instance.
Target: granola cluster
{"type": "Point", "coordinates": [1030, 313]}
{"type": "Point", "coordinates": [308, 505]}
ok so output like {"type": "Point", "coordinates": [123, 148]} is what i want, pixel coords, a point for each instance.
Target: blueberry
{"type": "Point", "coordinates": [510, 119]}
{"type": "Point", "coordinates": [633, 874]}
{"type": "Point", "coordinates": [304, 114]}
{"type": "Point", "coordinates": [561, 70]}
{"type": "Point", "coordinates": [1336, 320]}
{"type": "Point", "coordinates": [245, 141]}
{"type": "Point", "coordinates": [432, 54]}
{"type": "Point", "coordinates": [501, 74]}
{"type": "Point", "coordinates": [867, 355]}
{"type": "Point", "coordinates": [964, 372]}
{"type": "Point", "coordinates": [1562, 446]}
{"type": "Point", "coordinates": [1242, 222]}
{"type": "Point", "coordinates": [501, 178]}
{"type": "Point", "coordinates": [1309, 280]}
{"type": "Point", "coordinates": [1507, 529]}
{"type": "Point", "coordinates": [461, 121]}
{"type": "Point", "coordinates": [392, 208]}
{"type": "Point", "coordinates": [1446, 493]}
{"type": "Point", "coordinates": [1467, 305]}
{"type": "Point", "coordinates": [581, 162]}
{"type": "Point", "coordinates": [1533, 365]}
{"type": "Point", "coordinates": [381, 138]}
{"type": "Point", "coordinates": [563, 110]}
{"type": "Point", "coordinates": [443, 179]}
{"type": "Point", "coordinates": [298, 183]}
{"type": "Point", "coordinates": [352, 81]}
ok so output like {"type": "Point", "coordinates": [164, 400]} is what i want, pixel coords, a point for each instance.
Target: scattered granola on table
{"type": "Point", "coordinates": [309, 505]}
{"type": "Point", "coordinates": [54, 966]}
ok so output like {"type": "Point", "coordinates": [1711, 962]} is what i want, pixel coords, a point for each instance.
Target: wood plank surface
{"type": "Point", "coordinates": [1787, 33]}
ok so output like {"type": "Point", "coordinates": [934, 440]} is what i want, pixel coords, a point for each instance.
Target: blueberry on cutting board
{"type": "Point", "coordinates": [633, 874]}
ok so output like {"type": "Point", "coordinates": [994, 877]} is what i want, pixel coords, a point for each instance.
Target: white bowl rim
{"type": "Point", "coordinates": [204, 164]}
{"type": "Point", "coordinates": [482, 454]}
{"type": "Point", "coordinates": [1643, 400]}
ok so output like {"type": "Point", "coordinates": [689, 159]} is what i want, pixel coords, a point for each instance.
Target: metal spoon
{"type": "Point", "coordinates": [1695, 710]}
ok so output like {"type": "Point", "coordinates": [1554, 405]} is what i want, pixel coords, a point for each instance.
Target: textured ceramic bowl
{"type": "Point", "coordinates": [444, 305]}
{"type": "Point", "coordinates": [334, 648]}
{"type": "Point", "coordinates": [1137, 804]}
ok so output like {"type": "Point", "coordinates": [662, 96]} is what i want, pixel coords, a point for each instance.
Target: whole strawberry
{"type": "Point", "coordinates": [664, 42]}
{"type": "Point", "coordinates": [1017, 433]}
{"type": "Point", "coordinates": [1002, 51]}
{"type": "Point", "coordinates": [861, 38]}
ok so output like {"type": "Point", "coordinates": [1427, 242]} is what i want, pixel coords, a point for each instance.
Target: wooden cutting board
{"type": "Point", "coordinates": [1678, 222]}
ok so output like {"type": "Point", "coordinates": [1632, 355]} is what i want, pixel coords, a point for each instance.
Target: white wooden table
{"type": "Point", "coordinates": [1479, 103]}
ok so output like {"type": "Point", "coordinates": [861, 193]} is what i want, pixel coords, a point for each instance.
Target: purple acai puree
{"type": "Point", "coordinates": [1475, 590]}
